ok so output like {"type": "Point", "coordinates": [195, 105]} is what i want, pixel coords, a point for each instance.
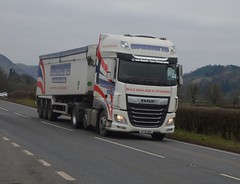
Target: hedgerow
{"type": "Point", "coordinates": [209, 121]}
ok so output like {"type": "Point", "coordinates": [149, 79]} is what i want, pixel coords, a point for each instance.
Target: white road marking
{"type": "Point", "coordinates": [28, 152]}
{"type": "Point", "coordinates": [22, 115]}
{"type": "Point", "coordinates": [15, 145]}
{"type": "Point", "coordinates": [3, 109]}
{"type": "Point", "coordinates": [65, 176]}
{"type": "Point", "coordinates": [5, 139]}
{"type": "Point", "coordinates": [132, 148]}
{"type": "Point", "coordinates": [203, 147]}
{"type": "Point", "coordinates": [43, 162]}
{"type": "Point", "coordinates": [57, 126]}
{"type": "Point", "coordinates": [232, 177]}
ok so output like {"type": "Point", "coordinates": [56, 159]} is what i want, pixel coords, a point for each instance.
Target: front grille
{"type": "Point", "coordinates": [146, 115]}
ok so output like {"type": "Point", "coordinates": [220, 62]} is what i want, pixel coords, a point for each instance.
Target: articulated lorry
{"type": "Point", "coordinates": [125, 83]}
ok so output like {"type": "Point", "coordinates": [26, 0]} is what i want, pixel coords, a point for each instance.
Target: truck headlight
{"type": "Point", "coordinates": [120, 119]}
{"type": "Point", "coordinates": [170, 121]}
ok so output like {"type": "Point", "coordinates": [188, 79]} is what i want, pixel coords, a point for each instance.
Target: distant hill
{"type": "Point", "coordinates": [31, 70]}
{"type": "Point", "coordinates": [228, 77]}
{"type": "Point", "coordinates": [7, 65]}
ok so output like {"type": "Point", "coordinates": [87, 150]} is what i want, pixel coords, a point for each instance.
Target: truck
{"type": "Point", "coordinates": [125, 83]}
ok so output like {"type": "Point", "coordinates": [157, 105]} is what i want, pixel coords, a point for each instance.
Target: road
{"type": "Point", "coordinates": [39, 151]}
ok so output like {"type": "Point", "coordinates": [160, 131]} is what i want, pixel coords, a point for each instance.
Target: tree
{"type": "Point", "coordinates": [3, 80]}
{"type": "Point", "coordinates": [214, 92]}
{"type": "Point", "coordinates": [194, 89]}
{"type": "Point", "coordinates": [236, 97]}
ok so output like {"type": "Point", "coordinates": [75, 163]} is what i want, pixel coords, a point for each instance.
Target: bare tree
{"type": "Point", "coordinates": [3, 80]}
{"type": "Point", "coordinates": [214, 92]}
{"type": "Point", "coordinates": [194, 89]}
{"type": "Point", "coordinates": [236, 97]}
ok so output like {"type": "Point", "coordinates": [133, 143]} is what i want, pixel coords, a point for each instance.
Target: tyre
{"type": "Point", "coordinates": [50, 114]}
{"type": "Point", "coordinates": [85, 125]}
{"type": "Point", "coordinates": [45, 109]}
{"type": "Point", "coordinates": [158, 136]}
{"type": "Point", "coordinates": [102, 123]}
{"type": "Point", "coordinates": [40, 108]}
{"type": "Point", "coordinates": [77, 118]}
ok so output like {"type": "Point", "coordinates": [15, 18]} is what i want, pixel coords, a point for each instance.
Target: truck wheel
{"type": "Point", "coordinates": [102, 123]}
{"type": "Point", "coordinates": [40, 108]}
{"type": "Point", "coordinates": [76, 118]}
{"type": "Point", "coordinates": [85, 125]}
{"type": "Point", "coordinates": [51, 115]}
{"type": "Point", "coordinates": [158, 136]}
{"type": "Point", "coordinates": [45, 110]}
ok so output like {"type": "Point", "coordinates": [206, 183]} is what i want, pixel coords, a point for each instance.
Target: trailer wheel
{"type": "Point", "coordinates": [50, 114]}
{"type": "Point", "coordinates": [158, 136]}
{"type": "Point", "coordinates": [102, 123]}
{"type": "Point", "coordinates": [40, 108]}
{"type": "Point", "coordinates": [45, 109]}
{"type": "Point", "coordinates": [76, 118]}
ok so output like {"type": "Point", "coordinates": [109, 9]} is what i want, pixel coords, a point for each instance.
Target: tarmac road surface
{"type": "Point", "coordinates": [33, 150]}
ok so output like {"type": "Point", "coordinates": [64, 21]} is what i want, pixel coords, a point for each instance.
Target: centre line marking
{"type": "Point", "coordinates": [4, 109]}
{"type": "Point", "coordinates": [28, 152]}
{"type": "Point", "coordinates": [15, 145]}
{"type": "Point", "coordinates": [57, 126]}
{"type": "Point", "coordinates": [22, 115]}
{"type": "Point", "coordinates": [5, 139]}
{"type": "Point", "coordinates": [65, 176]}
{"type": "Point", "coordinates": [232, 177]}
{"type": "Point", "coordinates": [43, 162]}
{"type": "Point", "coordinates": [129, 147]}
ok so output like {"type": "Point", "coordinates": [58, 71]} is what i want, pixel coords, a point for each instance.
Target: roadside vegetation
{"type": "Point", "coordinates": [19, 88]}
{"type": "Point", "coordinates": [210, 141]}
{"type": "Point", "coordinates": [211, 126]}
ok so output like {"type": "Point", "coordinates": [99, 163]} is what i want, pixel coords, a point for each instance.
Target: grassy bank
{"type": "Point", "coordinates": [211, 141]}
{"type": "Point", "coordinates": [27, 102]}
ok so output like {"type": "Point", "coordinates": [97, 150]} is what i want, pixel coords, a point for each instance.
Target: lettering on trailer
{"type": "Point", "coordinates": [60, 69]}
{"type": "Point", "coordinates": [59, 80]}
{"type": "Point", "coordinates": [57, 72]}
{"type": "Point", "coordinates": [149, 47]}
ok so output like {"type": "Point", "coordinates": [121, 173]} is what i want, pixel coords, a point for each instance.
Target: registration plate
{"type": "Point", "coordinates": [145, 131]}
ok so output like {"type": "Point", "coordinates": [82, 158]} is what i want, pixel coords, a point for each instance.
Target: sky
{"type": "Point", "coordinates": [204, 32]}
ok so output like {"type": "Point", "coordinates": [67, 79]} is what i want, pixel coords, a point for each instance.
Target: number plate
{"type": "Point", "coordinates": [145, 131]}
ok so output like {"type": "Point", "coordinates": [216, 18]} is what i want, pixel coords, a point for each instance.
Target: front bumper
{"type": "Point", "coordinates": [128, 127]}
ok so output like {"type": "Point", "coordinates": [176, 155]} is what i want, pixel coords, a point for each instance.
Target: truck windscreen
{"type": "Point", "coordinates": [146, 73]}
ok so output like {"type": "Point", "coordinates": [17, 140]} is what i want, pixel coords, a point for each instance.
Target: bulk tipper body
{"type": "Point", "coordinates": [124, 84]}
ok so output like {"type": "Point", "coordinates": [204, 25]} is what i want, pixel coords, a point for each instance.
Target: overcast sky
{"type": "Point", "coordinates": [204, 32]}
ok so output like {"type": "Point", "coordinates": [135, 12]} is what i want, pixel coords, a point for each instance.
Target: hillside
{"type": "Point", "coordinates": [211, 78]}
{"type": "Point", "coordinates": [6, 65]}
{"type": "Point", "coordinates": [228, 77]}
{"type": "Point", "coordinates": [31, 70]}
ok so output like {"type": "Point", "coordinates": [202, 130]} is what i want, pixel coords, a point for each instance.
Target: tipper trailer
{"type": "Point", "coordinates": [124, 84]}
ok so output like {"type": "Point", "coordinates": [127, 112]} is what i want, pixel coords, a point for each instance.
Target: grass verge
{"type": "Point", "coordinates": [206, 140]}
{"type": "Point", "coordinates": [25, 101]}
